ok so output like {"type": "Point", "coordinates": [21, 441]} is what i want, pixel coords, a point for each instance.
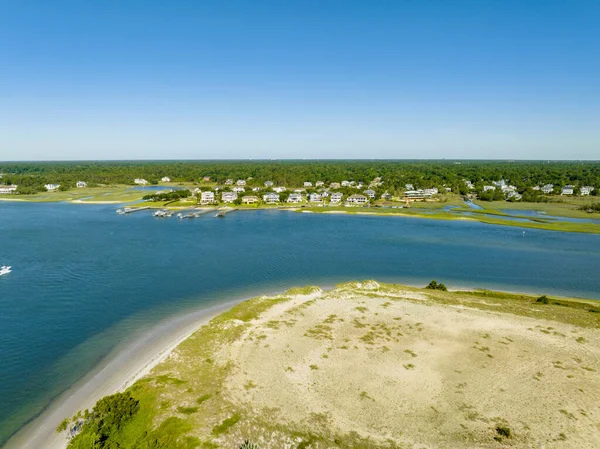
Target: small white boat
{"type": "Point", "coordinates": [5, 270]}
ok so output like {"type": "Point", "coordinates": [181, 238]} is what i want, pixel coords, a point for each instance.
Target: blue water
{"type": "Point", "coordinates": [86, 279]}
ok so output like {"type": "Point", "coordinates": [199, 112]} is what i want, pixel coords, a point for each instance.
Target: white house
{"type": "Point", "coordinates": [307, 184]}
{"type": "Point", "coordinates": [409, 187]}
{"type": "Point", "coordinates": [336, 197]}
{"type": "Point", "coordinates": [206, 178]}
{"type": "Point", "coordinates": [548, 188]}
{"type": "Point", "coordinates": [51, 187]}
{"type": "Point", "coordinates": [370, 193]}
{"type": "Point", "coordinates": [279, 189]}
{"type": "Point", "coordinates": [334, 185]}
{"type": "Point", "coordinates": [513, 195]}
{"type": "Point", "coordinates": [294, 198]}
{"type": "Point", "coordinates": [256, 189]}
{"type": "Point", "coordinates": [140, 181]}
{"type": "Point", "coordinates": [81, 184]}
{"type": "Point", "coordinates": [165, 179]}
{"type": "Point", "coordinates": [241, 182]}
{"type": "Point", "coordinates": [5, 190]}
{"type": "Point", "coordinates": [431, 191]}
{"type": "Point", "coordinates": [486, 188]}
{"type": "Point", "coordinates": [345, 184]}
{"type": "Point", "coordinates": [207, 197]}
{"type": "Point", "coordinates": [386, 196]}
{"type": "Point", "coordinates": [448, 189]}
{"type": "Point", "coordinates": [586, 190]}
{"type": "Point", "coordinates": [249, 199]}
{"type": "Point", "coordinates": [229, 182]}
{"type": "Point", "coordinates": [228, 197]}
{"type": "Point", "coordinates": [357, 199]}
{"type": "Point", "coordinates": [319, 184]}
{"type": "Point", "coordinates": [315, 198]}
{"type": "Point", "coordinates": [268, 183]}
{"type": "Point", "coordinates": [271, 198]}
{"type": "Point", "coordinates": [567, 190]}
{"type": "Point", "coordinates": [238, 189]}
{"type": "Point", "coordinates": [299, 190]}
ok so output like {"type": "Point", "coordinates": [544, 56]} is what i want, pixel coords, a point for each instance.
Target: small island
{"type": "Point", "coordinates": [367, 365]}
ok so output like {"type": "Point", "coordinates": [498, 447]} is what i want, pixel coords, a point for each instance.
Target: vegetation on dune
{"type": "Point", "coordinates": [433, 285]}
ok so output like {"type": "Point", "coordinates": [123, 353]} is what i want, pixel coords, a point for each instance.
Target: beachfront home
{"type": "Point", "coordinates": [335, 185]}
{"type": "Point", "coordinates": [268, 183]}
{"type": "Point", "coordinates": [294, 198]}
{"type": "Point", "coordinates": [432, 191]}
{"type": "Point", "coordinates": [229, 182]}
{"type": "Point", "coordinates": [81, 184]}
{"type": "Point", "coordinates": [486, 188]}
{"type": "Point", "coordinates": [271, 198]}
{"type": "Point", "coordinates": [586, 190]}
{"type": "Point", "coordinates": [567, 190]}
{"type": "Point", "coordinates": [52, 187]}
{"type": "Point", "coordinates": [140, 181]}
{"type": "Point", "coordinates": [238, 189]}
{"type": "Point", "coordinates": [415, 195]}
{"type": "Point", "coordinates": [241, 182]}
{"type": "Point", "coordinates": [307, 184]}
{"type": "Point", "coordinates": [279, 189]}
{"type": "Point", "coordinates": [228, 197]}
{"type": "Point", "coordinates": [315, 198]}
{"type": "Point", "coordinates": [336, 197]}
{"type": "Point", "coordinates": [357, 199]}
{"type": "Point", "coordinates": [319, 184]}
{"type": "Point", "coordinates": [370, 193]}
{"type": "Point", "coordinates": [207, 197]}
{"type": "Point", "coordinates": [249, 199]}
{"type": "Point", "coordinates": [548, 188]}
{"type": "Point", "coordinates": [5, 190]}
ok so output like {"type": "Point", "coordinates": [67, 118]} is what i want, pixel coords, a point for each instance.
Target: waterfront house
{"type": "Point", "coordinates": [229, 182]}
{"type": "Point", "coordinates": [307, 184]}
{"type": "Point", "coordinates": [567, 190]}
{"type": "Point", "coordinates": [357, 199]}
{"type": "Point", "coordinates": [336, 197]}
{"type": "Point", "coordinates": [207, 197]}
{"type": "Point", "coordinates": [315, 198]}
{"type": "Point", "coordinates": [294, 198]}
{"type": "Point", "coordinates": [414, 195]}
{"type": "Point", "coordinates": [165, 179]}
{"type": "Point", "coordinates": [279, 189]}
{"type": "Point", "coordinates": [52, 187]}
{"type": "Point", "coordinates": [271, 198]}
{"type": "Point", "coordinates": [268, 183]}
{"type": "Point", "coordinates": [319, 184]}
{"type": "Point", "coordinates": [81, 184]}
{"type": "Point", "coordinates": [548, 188]}
{"type": "Point", "coordinates": [238, 189]}
{"type": "Point", "coordinates": [335, 185]}
{"type": "Point", "coordinates": [249, 199]}
{"type": "Point", "coordinates": [486, 188]}
{"type": "Point", "coordinates": [228, 197]}
{"type": "Point", "coordinates": [586, 190]}
{"type": "Point", "coordinates": [5, 190]}
{"type": "Point", "coordinates": [370, 193]}
{"type": "Point", "coordinates": [432, 191]}
{"type": "Point", "coordinates": [241, 182]}
{"type": "Point", "coordinates": [140, 181]}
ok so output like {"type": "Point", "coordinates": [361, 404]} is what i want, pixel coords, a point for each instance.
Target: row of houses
{"type": "Point", "coordinates": [5, 190]}
{"type": "Point", "coordinates": [274, 198]}
{"type": "Point", "coordinates": [334, 185]}
{"type": "Point", "coordinates": [511, 190]}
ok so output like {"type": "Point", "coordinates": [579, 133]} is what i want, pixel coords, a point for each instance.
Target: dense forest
{"type": "Point", "coordinates": [31, 176]}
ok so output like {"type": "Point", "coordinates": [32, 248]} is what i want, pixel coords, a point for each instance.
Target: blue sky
{"type": "Point", "coordinates": [144, 79]}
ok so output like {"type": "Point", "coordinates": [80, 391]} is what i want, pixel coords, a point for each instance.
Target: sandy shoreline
{"type": "Point", "coordinates": [125, 366]}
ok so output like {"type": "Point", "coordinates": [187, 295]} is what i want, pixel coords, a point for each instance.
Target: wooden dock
{"type": "Point", "coordinates": [222, 212]}
{"type": "Point", "coordinates": [195, 213]}
{"type": "Point", "coordinates": [130, 210]}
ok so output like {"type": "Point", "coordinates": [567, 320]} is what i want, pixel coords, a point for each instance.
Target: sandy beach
{"type": "Point", "coordinates": [124, 367]}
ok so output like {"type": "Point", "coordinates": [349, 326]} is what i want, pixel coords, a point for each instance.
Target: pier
{"type": "Point", "coordinates": [222, 212]}
{"type": "Point", "coordinates": [129, 210]}
{"type": "Point", "coordinates": [195, 214]}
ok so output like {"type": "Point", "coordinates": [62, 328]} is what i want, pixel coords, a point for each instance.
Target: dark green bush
{"type": "Point", "coordinates": [433, 285]}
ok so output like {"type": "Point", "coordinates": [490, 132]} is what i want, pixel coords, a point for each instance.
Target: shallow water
{"type": "Point", "coordinates": [86, 279]}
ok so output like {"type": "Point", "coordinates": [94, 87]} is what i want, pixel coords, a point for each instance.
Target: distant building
{"type": "Point", "coordinates": [299, 190]}
{"type": "Point", "coordinates": [268, 183]}
{"type": "Point", "coordinates": [567, 190]}
{"type": "Point", "coordinates": [548, 188]}
{"type": "Point", "coordinates": [336, 197]}
{"type": "Point", "coordinates": [409, 187]}
{"type": "Point", "coordinates": [140, 181]}
{"type": "Point", "coordinates": [357, 199]}
{"type": "Point", "coordinates": [514, 196]}
{"type": "Point", "coordinates": [256, 189]}
{"type": "Point", "coordinates": [249, 199]}
{"type": "Point", "coordinates": [486, 188]}
{"type": "Point", "coordinates": [238, 189]}
{"type": "Point", "coordinates": [207, 197]}
{"type": "Point", "coordinates": [229, 197]}
{"type": "Point", "coordinates": [5, 190]}
{"type": "Point", "coordinates": [448, 189]}
{"type": "Point", "coordinates": [319, 184]}
{"type": "Point", "coordinates": [206, 179]}
{"type": "Point", "coordinates": [279, 189]}
{"type": "Point", "coordinates": [386, 196]}
{"type": "Point", "coordinates": [229, 182]}
{"type": "Point", "coordinates": [335, 185]}
{"type": "Point", "coordinates": [346, 183]}
{"type": "Point", "coordinates": [535, 188]}
{"type": "Point", "coordinates": [241, 182]}
{"type": "Point", "coordinates": [81, 184]}
{"type": "Point", "coordinates": [430, 192]}
{"type": "Point", "coordinates": [315, 198]}
{"type": "Point", "coordinates": [586, 190]}
{"type": "Point", "coordinates": [52, 187]}
{"type": "Point", "coordinates": [370, 193]}
{"type": "Point", "coordinates": [294, 198]}
{"type": "Point", "coordinates": [165, 179]}
{"type": "Point", "coordinates": [271, 198]}
{"type": "Point", "coordinates": [307, 184]}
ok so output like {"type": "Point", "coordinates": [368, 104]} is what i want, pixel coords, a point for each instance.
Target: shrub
{"type": "Point", "coordinates": [543, 300]}
{"type": "Point", "coordinates": [433, 285]}
{"type": "Point", "coordinates": [503, 431]}
{"type": "Point", "coordinates": [248, 445]}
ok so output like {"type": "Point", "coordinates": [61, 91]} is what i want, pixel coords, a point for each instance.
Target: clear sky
{"type": "Point", "coordinates": [198, 79]}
